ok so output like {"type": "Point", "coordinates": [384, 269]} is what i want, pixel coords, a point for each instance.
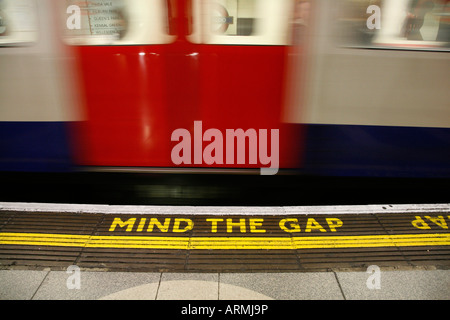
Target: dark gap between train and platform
{"type": "Point", "coordinates": [214, 189]}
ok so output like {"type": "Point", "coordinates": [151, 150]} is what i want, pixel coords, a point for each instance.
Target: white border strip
{"type": "Point", "coordinates": [220, 210]}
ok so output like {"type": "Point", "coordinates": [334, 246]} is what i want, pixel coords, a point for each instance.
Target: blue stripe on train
{"type": "Point", "coordinates": [353, 150]}
{"type": "Point", "coordinates": [337, 150]}
{"type": "Point", "coordinates": [34, 146]}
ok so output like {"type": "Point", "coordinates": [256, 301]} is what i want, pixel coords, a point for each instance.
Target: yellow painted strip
{"type": "Point", "coordinates": [224, 243]}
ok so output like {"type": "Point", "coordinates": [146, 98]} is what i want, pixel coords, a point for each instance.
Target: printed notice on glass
{"type": "Point", "coordinates": [106, 17]}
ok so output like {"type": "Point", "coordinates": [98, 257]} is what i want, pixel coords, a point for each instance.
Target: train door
{"type": "Point", "coordinates": [244, 50]}
{"type": "Point", "coordinates": [121, 50]}
{"type": "Point", "coordinates": [228, 72]}
{"type": "Point", "coordinates": [35, 108]}
{"type": "Point", "coordinates": [149, 68]}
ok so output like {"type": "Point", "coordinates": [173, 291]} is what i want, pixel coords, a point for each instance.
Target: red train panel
{"type": "Point", "coordinates": [136, 96]}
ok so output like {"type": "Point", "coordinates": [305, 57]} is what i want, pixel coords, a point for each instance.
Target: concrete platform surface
{"type": "Point", "coordinates": [76, 284]}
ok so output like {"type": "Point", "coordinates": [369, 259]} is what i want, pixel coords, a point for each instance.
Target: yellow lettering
{"type": "Point", "coordinates": [256, 223]}
{"type": "Point", "coordinates": [334, 223]}
{"type": "Point", "coordinates": [313, 224]}
{"type": "Point", "coordinates": [293, 225]}
{"type": "Point", "coordinates": [231, 224]}
{"type": "Point", "coordinates": [214, 224]}
{"type": "Point", "coordinates": [117, 221]}
{"type": "Point", "coordinates": [141, 225]}
{"type": "Point", "coordinates": [154, 222]}
{"type": "Point", "coordinates": [176, 225]}
{"type": "Point", "coordinates": [419, 223]}
{"type": "Point", "coordinates": [439, 221]}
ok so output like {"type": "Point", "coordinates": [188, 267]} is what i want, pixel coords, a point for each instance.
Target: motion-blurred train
{"type": "Point", "coordinates": [353, 87]}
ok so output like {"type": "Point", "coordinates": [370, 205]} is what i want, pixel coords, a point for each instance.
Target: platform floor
{"type": "Point", "coordinates": [227, 253]}
{"type": "Point", "coordinates": [93, 285]}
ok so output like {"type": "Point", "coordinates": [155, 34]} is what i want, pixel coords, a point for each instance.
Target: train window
{"type": "Point", "coordinates": [241, 22]}
{"type": "Point", "coordinates": [18, 22]}
{"type": "Point", "coordinates": [406, 24]}
{"type": "Point", "coordinates": [233, 17]}
{"type": "Point", "coordinates": [116, 22]}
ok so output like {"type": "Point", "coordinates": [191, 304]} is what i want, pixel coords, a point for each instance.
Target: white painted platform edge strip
{"type": "Point", "coordinates": [442, 208]}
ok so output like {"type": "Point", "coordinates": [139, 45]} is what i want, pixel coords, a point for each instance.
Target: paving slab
{"type": "Point", "coordinates": [143, 292]}
{"type": "Point", "coordinates": [287, 286]}
{"type": "Point", "coordinates": [232, 292]}
{"type": "Point", "coordinates": [189, 286]}
{"type": "Point", "coordinates": [20, 284]}
{"type": "Point", "coordinates": [396, 285]}
{"type": "Point", "coordinates": [59, 285]}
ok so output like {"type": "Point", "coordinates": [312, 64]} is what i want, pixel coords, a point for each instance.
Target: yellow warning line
{"type": "Point", "coordinates": [224, 243]}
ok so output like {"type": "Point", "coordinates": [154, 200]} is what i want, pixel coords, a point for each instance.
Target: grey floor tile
{"type": "Point", "coordinates": [93, 285]}
{"type": "Point", "coordinates": [287, 286]}
{"type": "Point", "coordinates": [232, 292]}
{"type": "Point", "coordinates": [20, 284]}
{"type": "Point", "coordinates": [396, 285]}
{"type": "Point", "coordinates": [142, 292]}
{"type": "Point", "coordinates": [189, 286]}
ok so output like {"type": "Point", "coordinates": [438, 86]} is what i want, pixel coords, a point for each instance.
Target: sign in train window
{"type": "Point", "coordinates": [405, 24]}
{"type": "Point", "coordinates": [18, 22]}
{"type": "Point", "coordinates": [116, 22]}
{"type": "Point", "coordinates": [233, 17]}
{"type": "Point", "coordinates": [241, 22]}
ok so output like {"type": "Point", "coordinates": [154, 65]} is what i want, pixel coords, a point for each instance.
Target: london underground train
{"type": "Point", "coordinates": [320, 87]}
